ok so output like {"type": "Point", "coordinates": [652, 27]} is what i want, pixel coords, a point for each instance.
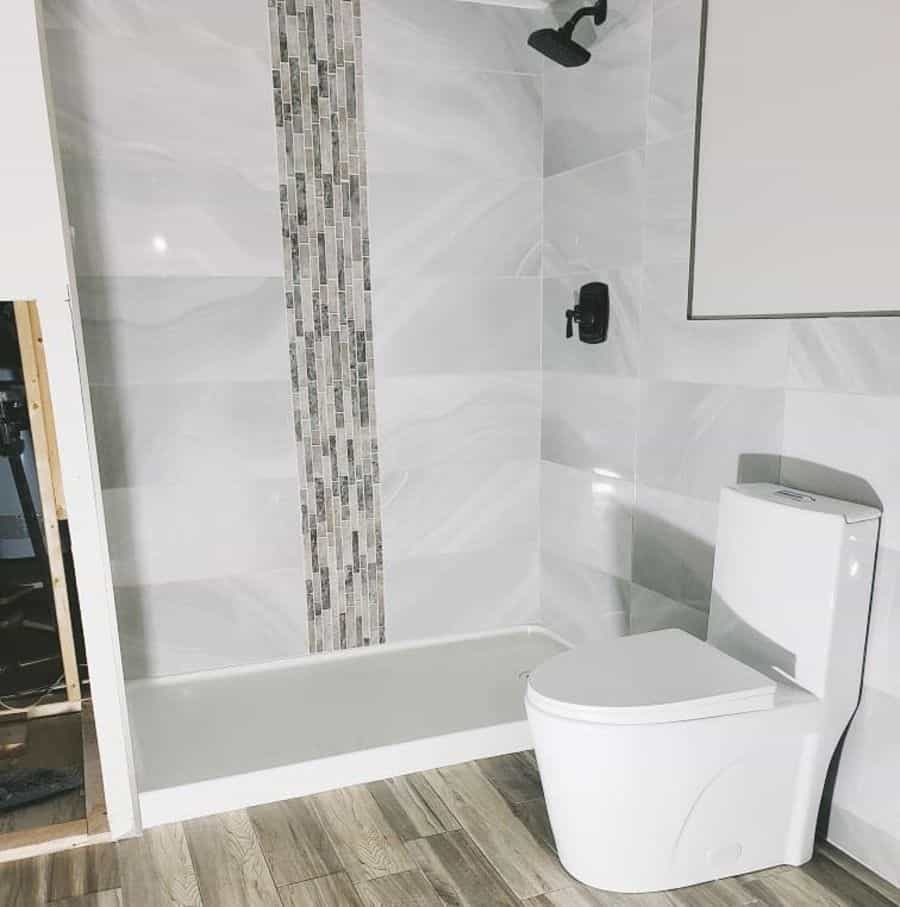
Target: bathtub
{"type": "Point", "coordinates": [220, 740]}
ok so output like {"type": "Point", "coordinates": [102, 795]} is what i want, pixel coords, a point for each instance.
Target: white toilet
{"type": "Point", "coordinates": [667, 761]}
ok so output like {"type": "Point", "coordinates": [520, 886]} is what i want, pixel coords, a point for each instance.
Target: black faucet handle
{"type": "Point", "coordinates": [571, 315]}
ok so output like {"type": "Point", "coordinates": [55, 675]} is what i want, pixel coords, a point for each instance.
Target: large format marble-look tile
{"type": "Point", "coordinates": [152, 187]}
{"type": "Point", "coordinates": [171, 533]}
{"type": "Point", "coordinates": [619, 355]}
{"type": "Point", "coordinates": [670, 187]}
{"type": "Point", "coordinates": [452, 122]}
{"type": "Point", "coordinates": [429, 421]}
{"type": "Point", "coordinates": [674, 542]}
{"type": "Point", "coordinates": [674, 66]}
{"type": "Point", "coordinates": [855, 355]}
{"type": "Point", "coordinates": [434, 33]}
{"type": "Point", "coordinates": [867, 774]}
{"type": "Point", "coordinates": [752, 353]}
{"type": "Point", "coordinates": [695, 438]}
{"type": "Point", "coordinates": [212, 329]}
{"type": "Point", "coordinates": [456, 325]}
{"type": "Point", "coordinates": [858, 435]}
{"type": "Point", "coordinates": [593, 216]}
{"type": "Point", "coordinates": [463, 592]}
{"type": "Point", "coordinates": [199, 625]}
{"type": "Point", "coordinates": [599, 110]}
{"type": "Point", "coordinates": [581, 602]}
{"type": "Point", "coordinates": [883, 649]}
{"type": "Point", "coordinates": [590, 422]}
{"type": "Point", "coordinates": [459, 507]}
{"type": "Point", "coordinates": [457, 226]}
{"type": "Point", "coordinates": [586, 517]}
{"type": "Point", "coordinates": [649, 610]}
{"type": "Point", "coordinates": [152, 434]}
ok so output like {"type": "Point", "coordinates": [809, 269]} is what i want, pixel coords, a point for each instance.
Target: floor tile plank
{"type": "Point", "coordinates": [84, 870]}
{"type": "Point", "coordinates": [844, 886]}
{"type": "Point", "coordinates": [405, 889]}
{"type": "Point", "coordinates": [294, 841]}
{"type": "Point", "coordinates": [515, 776]}
{"type": "Point", "coordinates": [157, 869]}
{"type": "Point", "coordinates": [724, 893]}
{"type": "Point", "coordinates": [328, 891]}
{"type": "Point", "coordinates": [528, 867]}
{"type": "Point", "coordinates": [845, 865]}
{"type": "Point", "coordinates": [533, 815]}
{"type": "Point", "coordinates": [230, 866]}
{"type": "Point", "coordinates": [800, 887]}
{"type": "Point", "coordinates": [109, 898]}
{"type": "Point", "coordinates": [367, 846]}
{"type": "Point", "coordinates": [582, 896]}
{"type": "Point", "coordinates": [412, 808]}
{"type": "Point", "coordinates": [459, 872]}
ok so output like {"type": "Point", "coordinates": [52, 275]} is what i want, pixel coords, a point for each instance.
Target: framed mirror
{"type": "Point", "coordinates": [797, 170]}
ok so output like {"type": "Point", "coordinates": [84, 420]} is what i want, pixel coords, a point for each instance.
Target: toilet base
{"type": "Point", "coordinates": [642, 808]}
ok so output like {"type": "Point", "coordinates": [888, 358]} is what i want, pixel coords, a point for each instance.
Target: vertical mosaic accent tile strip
{"type": "Point", "coordinates": [317, 79]}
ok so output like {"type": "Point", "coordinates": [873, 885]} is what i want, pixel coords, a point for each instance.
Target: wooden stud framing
{"type": "Point", "coordinates": [39, 414]}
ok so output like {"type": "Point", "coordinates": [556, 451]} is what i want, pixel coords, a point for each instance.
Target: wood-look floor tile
{"type": "Point", "coordinates": [25, 883]}
{"type": "Point", "coordinates": [724, 893]}
{"type": "Point", "coordinates": [405, 889]}
{"type": "Point", "coordinates": [843, 864]}
{"type": "Point", "coordinates": [412, 808]}
{"type": "Point", "coordinates": [294, 841]}
{"type": "Point", "coordinates": [515, 776]}
{"type": "Point", "coordinates": [84, 870]}
{"type": "Point", "coordinates": [581, 896]}
{"type": "Point", "coordinates": [111, 898]}
{"type": "Point", "coordinates": [229, 863]}
{"type": "Point", "coordinates": [527, 866]}
{"type": "Point", "coordinates": [843, 886]}
{"type": "Point", "coordinates": [801, 888]}
{"type": "Point", "coordinates": [533, 815]}
{"type": "Point", "coordinates": [327, 891]}
{"type": "Point", "coordinates": [157, 870]}
{"type": "Point", "coordinates": [365, 842]}
{"type": "Point", "coordinates": [459, 872]}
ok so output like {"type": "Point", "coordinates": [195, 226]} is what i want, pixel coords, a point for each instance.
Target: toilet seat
{"type": "Point", "coordinates": [649, 678]}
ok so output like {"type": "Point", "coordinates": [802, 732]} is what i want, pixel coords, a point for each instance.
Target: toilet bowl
{"type": "Point", "coordinates": [668, 761]}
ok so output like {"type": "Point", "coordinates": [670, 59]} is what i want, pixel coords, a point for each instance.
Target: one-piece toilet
{"type": "Point", "coordinates": [667, 761]}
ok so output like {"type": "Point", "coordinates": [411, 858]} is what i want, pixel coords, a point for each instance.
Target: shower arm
{"type": "Point", "coordinates": [598, 11]}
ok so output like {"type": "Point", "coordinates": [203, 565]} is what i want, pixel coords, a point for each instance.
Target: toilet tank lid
{"type": "Point", "coordinates": [648, 678]}
{"type": "Point", "coordinates": [807, 500]}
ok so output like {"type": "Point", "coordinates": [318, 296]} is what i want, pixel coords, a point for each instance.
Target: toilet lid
{"type": "Point", "coordinates": [667, 675]}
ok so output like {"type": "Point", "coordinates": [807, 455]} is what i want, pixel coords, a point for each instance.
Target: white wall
{"type": "Point", "coordinates": [35, 264]}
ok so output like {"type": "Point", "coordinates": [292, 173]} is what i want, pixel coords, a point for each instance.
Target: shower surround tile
{"type": "Point", "coordinates": [593, 216]}
{"type": "Point", "coordinates": [673, 69]}
{"type": "Point", "coordinates": [442, 34]}
{"type": "Point", "coordinates": [152, 187]}
{"type": "Point", "coordinates": [318, 90]}
{"type": "Point", "coordinates": [598, 110]}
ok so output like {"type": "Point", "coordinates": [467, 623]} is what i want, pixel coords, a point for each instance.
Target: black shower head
{"type": "Point", "coordinates": [558, 44]}
{"type": "Point", "coordinates": [560, 48]}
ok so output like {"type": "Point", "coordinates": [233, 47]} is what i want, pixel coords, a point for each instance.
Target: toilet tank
{"type": "Point", "coordinates": [792, 584]}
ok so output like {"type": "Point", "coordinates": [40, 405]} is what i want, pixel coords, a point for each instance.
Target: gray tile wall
{"type": "Point", "coordinates": [165, 123]}
{"type": "Point", "coordinates": [318, 87]}
{"type": "Point", "coordinates": [639, 435]}
{"type": "Point", "coordinates": [453, 112]}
